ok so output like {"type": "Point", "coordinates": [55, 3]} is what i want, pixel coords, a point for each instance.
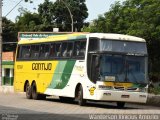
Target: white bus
{"type": "Point", "coordinates": [91, 66]}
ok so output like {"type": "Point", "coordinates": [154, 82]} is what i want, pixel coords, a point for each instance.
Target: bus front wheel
{"type": "Point", "coordinates": [35, 95]}
{"type": "Point", "coordinates": [28, 91]}
{"type": "Point", "coordinates": [81, 101]}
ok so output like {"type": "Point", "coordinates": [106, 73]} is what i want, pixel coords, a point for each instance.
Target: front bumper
{"type": "Point", "coordinates": [124, 96]}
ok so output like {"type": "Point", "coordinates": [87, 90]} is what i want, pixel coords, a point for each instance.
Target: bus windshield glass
{"type": "Point", "coordinates": [123, 46]}
{"type": "Point", "coordinates": [120, 68]}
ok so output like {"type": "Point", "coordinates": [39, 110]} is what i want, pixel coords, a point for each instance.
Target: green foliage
{"type": "Point", "coordinates": [58, 15]}
{"type": "Point", "coordinates": [28, 22]}
{"type": "Point", "coordinates": [9, 34]}
{"type": "Point", "coordinates": [46, 12]}
{"type": "Point", "coordinates": [155, 90]}
{"type": "Point", "coordinates": [134, 17]}
{"type": "Point", "coordinates": [52, 15]}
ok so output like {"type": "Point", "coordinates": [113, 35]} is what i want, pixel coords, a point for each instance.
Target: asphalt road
{"type": "Point", "coordinates": [18, 107]}
{"type": "Point", "coordinates": [12, 113]}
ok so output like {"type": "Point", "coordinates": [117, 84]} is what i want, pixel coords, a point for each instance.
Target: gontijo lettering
{"type": "Point", "coordinates": [41, 66]}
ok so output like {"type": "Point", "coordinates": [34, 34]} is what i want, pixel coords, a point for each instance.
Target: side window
{"type": "Point", "coordinates": [52, 50]}
{"type": "Point", "coordinates": [61, 50]}
{"type": "Point", "coordinates": [35, 51]}
{"type": "Point", "coordinates": [58, 49]}
{"type": "Point", "coordinates": [82, 48]}
{"type": "Point", "coordinates": [64, 49]}
{"type": "Point", "coordinates": [76, 48]}
{"type": "Point", "coordinates": [44, 51]}
{"type": "Point", "coordinates": [79, 49]}
{"type": "Point", "coordinates": [70, 49]}
{"type": "Point", "coordinates": [94, 44]}
{"type": "Point", "coordinates": [25, 52]}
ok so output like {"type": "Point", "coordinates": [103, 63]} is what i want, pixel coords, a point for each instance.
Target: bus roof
{"type": "Point", "coordinates": [113, 36]}
{"type": "Point", "coordinates": [82, 36]}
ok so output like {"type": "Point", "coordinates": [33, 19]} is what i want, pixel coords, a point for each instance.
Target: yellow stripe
{"type": "Point", "coordinates": [113, 84]}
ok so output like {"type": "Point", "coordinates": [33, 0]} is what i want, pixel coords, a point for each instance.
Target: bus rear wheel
{"type": "Point", "coordinates": [28, 91]}
{"type": "Point", "coordinates": [81, 101]}
{"type": "Point", "coordinates": [120, 104]}
{"type": "Point", "coordinates": [35, 95]}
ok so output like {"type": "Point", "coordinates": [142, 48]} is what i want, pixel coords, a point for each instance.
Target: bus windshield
{"type": "Point", "coordinates": [123, 46]}
{"type": "Point", "coordinates": [126, 47]}
{"type": "Point", "coordinates": [121, 68]}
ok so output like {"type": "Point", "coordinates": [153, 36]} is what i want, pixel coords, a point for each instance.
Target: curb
{"type": "Point", "coordinates": [6, 89]}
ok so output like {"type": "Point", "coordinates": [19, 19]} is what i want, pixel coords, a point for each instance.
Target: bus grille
{"type": "Point", "coordinates": [123, 88]}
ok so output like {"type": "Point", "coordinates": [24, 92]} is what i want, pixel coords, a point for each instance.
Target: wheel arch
{"type": "Point", "coordinates": [76, 89]}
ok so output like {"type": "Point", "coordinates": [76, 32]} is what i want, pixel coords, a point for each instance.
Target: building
{"type": "Point", "coordinates": [7, 68]}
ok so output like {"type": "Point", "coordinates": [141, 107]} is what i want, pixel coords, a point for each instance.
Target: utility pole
{"type": "Point", "coordinates": [71, 16]}
{"type": "Point", "coordinates": [0, 42]}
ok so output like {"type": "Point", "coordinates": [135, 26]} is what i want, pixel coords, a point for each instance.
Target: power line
{"type": "Point", "coordinates": [13, 8]}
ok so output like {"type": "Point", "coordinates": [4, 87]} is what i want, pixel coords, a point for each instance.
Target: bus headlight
{"type": "Point", "coordinates": [103, 87]}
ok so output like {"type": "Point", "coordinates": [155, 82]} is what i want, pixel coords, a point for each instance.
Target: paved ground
{"type": "Point", "coordinates": [12, 113]}
{"type": "Point", "coordinates": [53, 108]}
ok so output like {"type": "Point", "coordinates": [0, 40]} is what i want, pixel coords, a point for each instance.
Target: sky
{"type": "Point", "coordinates": [95, 7]}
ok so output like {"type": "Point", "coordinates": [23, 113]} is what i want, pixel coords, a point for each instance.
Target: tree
{"type": "Point", "coordinates": [46, 12]}
{"type": "Point", "coordinates": [58, 15]}
{"type": "Point", "coordinates": [9, 34]}
{"type": "Point", "coordinates": [28, 21]}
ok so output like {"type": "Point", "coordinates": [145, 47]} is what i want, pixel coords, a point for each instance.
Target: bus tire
{"type": "Point", "coordinates": [35, 95]}
{"type": "Point", "coordinates": [120, 104]}
{"type": "Point", "coordinates": [28, 91]}
{"type": "Point", "coordinates": [81, 101]}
